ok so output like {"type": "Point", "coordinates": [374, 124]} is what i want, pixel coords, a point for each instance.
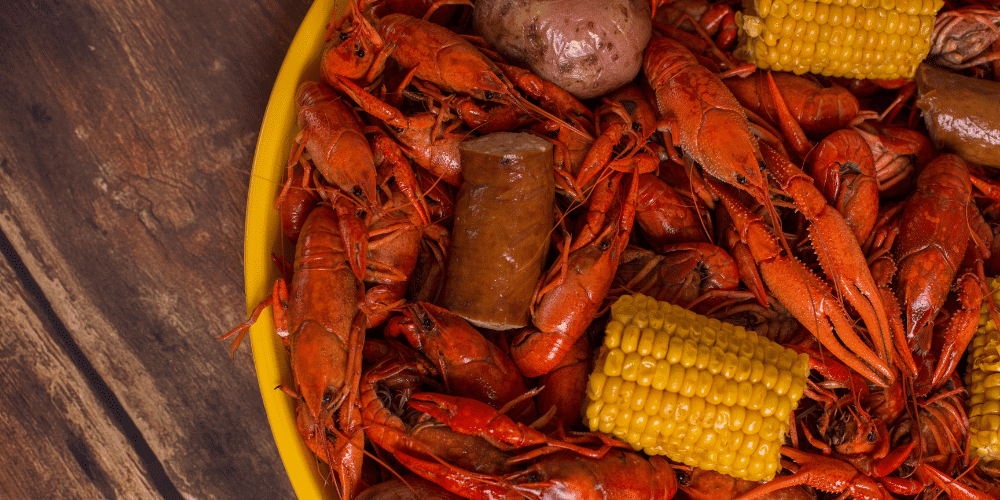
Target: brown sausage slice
{"type": "Point", "coordinates": [962, 114]}
{"type": "Point", "coordinates": [503, 220]}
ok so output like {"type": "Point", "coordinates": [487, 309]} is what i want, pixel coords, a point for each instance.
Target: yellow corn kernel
{"type": "Point", "coordinates": [745, 393]}
{"type": "Point", "coordinates": [630, 366]}
{"type": "Point", "coordinates": [757, 397]}
{"type": "Point", "coordinates": [595, 386]}
{"type": "Point", "coordinates": [613, 334]}
{"type": "Point", "coordinates": [654, 401]}
{"type": "Point", "coordinates": [606, 418]}
{"type": "Point", "coordinates": [662, 375]}
{"type": "Point", "coordinates": [699, 391]}
{"type": "Point", "coordinates": [668, 405]}
{"type": "Point", "coordinates": [594, 409]}
{"type": "Point", "coordinates": [630, 338]}
{"type": "Point", "coordinates": [611, 386]}
{"type": "Point", "coordinates": [675, 379]}
{"type": "Point", "coordinates": [613, 363]}
{"type": "Point", "coordinates": [716, 393]}
{"type": "Point", "coordinates": [770, 404]}
{"type": "Point", "coordinates": [675, 350]}
{"type": "Point", "coordinates": [639, 399]}
{"type": "Point", "coordinates": [696, 412]}
{"type": "Point", "coordinates": [645, 343]}
{"type": "Point", "coordinates": [661, 344]}
{"type": "Point", "coordinates": [647, 370]}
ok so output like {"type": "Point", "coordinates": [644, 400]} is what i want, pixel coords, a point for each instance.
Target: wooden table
{"type": "Point", "coordinates": [127, 132]}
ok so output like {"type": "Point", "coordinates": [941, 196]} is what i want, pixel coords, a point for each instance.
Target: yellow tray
{"type": "Point", "coordinates": [263, 237]}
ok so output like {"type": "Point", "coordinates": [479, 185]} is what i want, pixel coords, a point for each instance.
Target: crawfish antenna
{"type": "Point", "coordinates": [535, 109]}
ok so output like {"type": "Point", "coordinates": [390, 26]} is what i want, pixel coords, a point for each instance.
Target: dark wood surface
{"type": "Point", "coordinates": [127, 132]}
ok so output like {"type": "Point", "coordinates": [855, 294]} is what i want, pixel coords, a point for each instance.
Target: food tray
{"type": "Point", "coordinates": [263, 237]}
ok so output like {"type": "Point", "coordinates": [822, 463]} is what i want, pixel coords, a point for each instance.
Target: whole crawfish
{"type": "Point", "coordinates": [326, 332]}
{"type": "Point", "coordinates": [470, 364]}
{"type": "Point", "coordinates": [333, 136]}
{"type": "Point", "coordinates": [572, 292]}
{"type": "Point", "coordinates": [933, 234]}
{"type": "Point", "coordinates": [705, 119]}
{"type": "Point", "coordinates": [619, 474]}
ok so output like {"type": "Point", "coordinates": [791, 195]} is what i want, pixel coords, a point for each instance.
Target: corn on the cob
{"type": "Point", "coordinates": [697, 390]}
{"type": "Point", "coordinates": [882, 39]}
{"type": "Point", "coordinates": [983, 383]}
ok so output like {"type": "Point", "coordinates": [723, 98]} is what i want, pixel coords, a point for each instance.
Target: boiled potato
{"type": "Point", "coordinates": [588, 47]}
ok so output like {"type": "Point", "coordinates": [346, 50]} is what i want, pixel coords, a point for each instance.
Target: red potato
{"type": "Point", "coordinates": [587, 48]}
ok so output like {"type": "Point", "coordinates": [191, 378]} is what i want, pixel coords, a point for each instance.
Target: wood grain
{"type": "Point", "coordinates": [127, 131]}
{"type": "Point", "coordinates": [57, 430]}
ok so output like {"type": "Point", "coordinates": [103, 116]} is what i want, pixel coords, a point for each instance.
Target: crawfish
{"type": "Point", "coordinates": [684, 273]}
{"type": "Point", "coordinates": [572, 292]}
{"type": "Point", "coordinates": [899, 153]}
{"type": "Point", "coordinates": [326, 332]}
{"type": "Point", "coordinates": [436, 55]}
{"type": "Point", "coordinates": [817, 109]}
{"type": "Point", "coordinates": [619, 474]}
{"type": "Point", "coordinates": [626, 120]}
{"type": "Point", "coordinates": [961, 35]}
{"type": "Point", "coordinates": [839, 255]}
{"type": "Point", "coordinates": [475, 418]}
{"type": "Point", "coordinates": [843, 169]}
{"type": "Point", "coordinates": [714, 19]}
{"type": "Point", "coordinates": [433, 144]}
{"type": "Point", "coordinates": [830, 475]}
{"type": "Point", "coordinates": [804, 294]}
{"type": "Point", "coordinates": [711, 485]}
{"type": "Point", "coordinates": [391, 259]}
{"type": "Point", "coordinates": [705, 119]}
{"type": "Point", "coordinates": [407, 487]}
{"type": "Point", "coordinates": [470, 364]}
{"type": "Point", "coordinates": [664, 216]}
{"type": "Point", "coordinates": [565, 387]}
{"type": "Point", "coordinates": [334, 139]}
{"type": "Point", "coordinates": [385, 389]}
{"type": "Point", "coordinates": [933, 235]}
{"type": "Point", "coordinates": [295, 203]}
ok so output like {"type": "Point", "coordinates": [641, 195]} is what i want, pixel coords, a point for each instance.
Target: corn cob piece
{"type": "Point", "coordinates": [697, 390]}
{"type": "Point", "coordinates": [983, 383]}
{"type": "Point", "coordinates": [881, 39]}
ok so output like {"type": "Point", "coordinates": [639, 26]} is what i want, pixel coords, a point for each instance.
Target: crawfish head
{"type": "Point", "coordinates": [848, 433]}
{"type": "Point", "coordinates": [352, 51]}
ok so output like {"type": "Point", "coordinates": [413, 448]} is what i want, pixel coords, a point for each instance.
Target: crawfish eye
{"type": "Point", "coordinates": [683, 477]}
{"type": "Point", "coordinates": [359, 52]}
{"type": "Point", "coordinates": [488, 94]}
{"type": "Point", "coordinates": [872, 436]}
{"type": "Point", "coordinates": [396, 129]}
{"type": "Point", "coordinates": [357, 191]}
{"type": "Point", "coordinates": [534, 477]}
{"type": "Point", "coordinates": [327, 397]}
{"type": "Point", "coordinates": [342, 35]}
{"type": "Point", "coordinates": [427, 323]}
{"type": "Point", "coordinates": [361, 214]}
{"type": "Point", "coordinates": [741, 179]}
{"type": "Point", "coordinates": [636, 126]}
{"type": "Point", "coordinates": [604, 245]}
{"type": "Point", "coordinates": [762, 166]}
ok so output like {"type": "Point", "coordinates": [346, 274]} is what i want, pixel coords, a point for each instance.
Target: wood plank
{"type": "Point", "coordinates": [126, 138]}
{"type": "Point", "coordinates": [57, 436]}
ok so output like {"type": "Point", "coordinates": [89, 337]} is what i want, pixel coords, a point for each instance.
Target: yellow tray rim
{"type": "Point", "coordinates": [263, 237]}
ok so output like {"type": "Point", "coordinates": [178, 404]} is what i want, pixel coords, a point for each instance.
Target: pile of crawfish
{"type": "Point", "coordinates": [814, 211]}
